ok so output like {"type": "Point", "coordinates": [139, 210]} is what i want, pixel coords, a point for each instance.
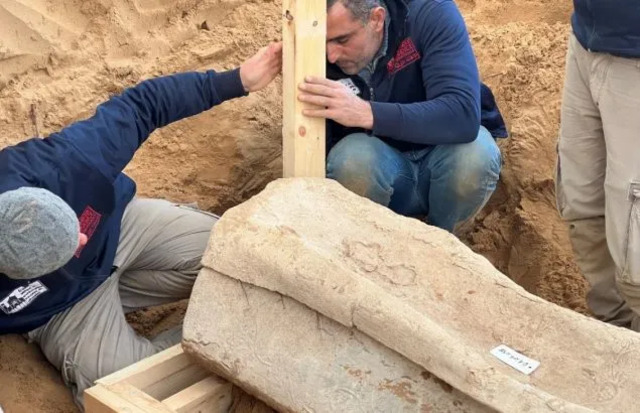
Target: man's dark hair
{"type": "Point", "coordinates": [361, 9]}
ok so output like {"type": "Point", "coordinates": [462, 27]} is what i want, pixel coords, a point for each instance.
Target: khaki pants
{"type": "Point", "coordinates": [158, 258]}
{"type": "Point", "coordinates": [598, 179]}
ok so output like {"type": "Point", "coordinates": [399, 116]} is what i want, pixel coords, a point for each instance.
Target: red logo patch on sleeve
{"type": "Point", "coordinates": [89, 220]}
{"type": "Point", "coordinates": [406, 54]}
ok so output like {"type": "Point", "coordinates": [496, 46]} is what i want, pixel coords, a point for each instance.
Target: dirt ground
{"type": "Point", "coordinates": [60, 58]}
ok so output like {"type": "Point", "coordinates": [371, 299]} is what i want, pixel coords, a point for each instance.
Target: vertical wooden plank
{"type": "Point", "coordinates": [304, 53]}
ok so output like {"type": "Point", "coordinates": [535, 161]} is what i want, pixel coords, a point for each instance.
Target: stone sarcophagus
{"type": "Point", "coordinates": [314, 299]}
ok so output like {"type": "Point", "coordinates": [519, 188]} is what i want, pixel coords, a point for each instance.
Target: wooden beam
{"type": "Point", "coordinates": [151, 369]}
{"type": "Point", "coordinates": [304, 53]}
{"type": "Point", "coordinates": [139, 398]}
{"type": "Point", "coordinates": [211, 394]}
{"type": "Point", "coordinates": [103, 399]}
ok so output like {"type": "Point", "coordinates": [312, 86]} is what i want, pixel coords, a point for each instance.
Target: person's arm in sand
{"type": "Point", "coordinates": [120, 126]}
{"type": "Point", "coordinates": [451, 112]}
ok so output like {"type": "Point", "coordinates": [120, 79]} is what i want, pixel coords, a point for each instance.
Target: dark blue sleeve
{"type": "Point", "coordinates": [451, 112]}
{"type": "Point", "coordinates": [110, 138]}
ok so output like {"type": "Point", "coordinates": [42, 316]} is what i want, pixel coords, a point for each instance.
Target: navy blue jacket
{"type": "Point", "coordinates": [426, 90]}
{"type": "Point", "coordinates": [608, 26]}
{"type": "Point", "coordinates": [83, 165]}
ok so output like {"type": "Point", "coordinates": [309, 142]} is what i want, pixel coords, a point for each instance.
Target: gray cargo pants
{"type": "Point", "coordinates": [598, 179]}
{"type": "Point", "coordinates": [158, 258]}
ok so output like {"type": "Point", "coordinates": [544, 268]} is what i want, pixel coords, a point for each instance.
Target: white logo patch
{"type": "Point", "coordinates": [22, 297]}
{"type": "Point", "coordinates": [352, 86]}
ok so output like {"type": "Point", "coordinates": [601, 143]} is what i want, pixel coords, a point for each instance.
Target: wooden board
{"type": "Point", "coordinates": [167, 382]}
{"type": "Point", "coordinates": [304, 53]}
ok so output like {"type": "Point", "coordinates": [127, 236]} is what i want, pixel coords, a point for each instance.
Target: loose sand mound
{"type": "Point", "coordinates": [60, 58]}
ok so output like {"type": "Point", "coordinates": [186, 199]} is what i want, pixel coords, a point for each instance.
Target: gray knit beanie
{"type": "Point", "coordinates": [38, 233]}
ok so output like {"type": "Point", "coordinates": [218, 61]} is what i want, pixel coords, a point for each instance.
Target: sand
{"type": "Point", "coordinates": [60, 58]}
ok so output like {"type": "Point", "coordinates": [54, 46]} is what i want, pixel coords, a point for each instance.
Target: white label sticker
{"type": "Point", "coordinates": [22, 297]}
{"type": "Point", "coordinates": [516, 360]}
{"type": "Point", "coordinates": [352, 86]}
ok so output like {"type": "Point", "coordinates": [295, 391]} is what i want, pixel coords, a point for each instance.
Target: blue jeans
{"type": "Point", "coordinates": [448, 184]}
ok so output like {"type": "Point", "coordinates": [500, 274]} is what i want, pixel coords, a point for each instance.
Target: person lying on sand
{"type": "Point", "coordinates": [78, 249]}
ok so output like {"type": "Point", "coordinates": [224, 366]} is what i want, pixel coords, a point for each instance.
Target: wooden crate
{"type": "Point", "coordinates": [167, 382]}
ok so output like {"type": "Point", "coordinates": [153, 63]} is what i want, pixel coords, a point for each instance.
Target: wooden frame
{"type": "Point", "coordinates": [304, 32]}
{"type": "Point", "coordinates": [167, 382]}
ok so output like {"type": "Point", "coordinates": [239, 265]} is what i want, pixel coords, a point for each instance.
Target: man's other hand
{"type": "Point", "coordinates": [260, 69]}
{"type": "Point", "coordinates": [336, 101]}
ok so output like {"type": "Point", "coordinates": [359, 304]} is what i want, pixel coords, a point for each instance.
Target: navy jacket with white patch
{"type": "Point", "coordinates": [83, 165]}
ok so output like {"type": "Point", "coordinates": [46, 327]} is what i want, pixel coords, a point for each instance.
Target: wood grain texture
{"type": "Point", "coordinates": [304, 53]}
